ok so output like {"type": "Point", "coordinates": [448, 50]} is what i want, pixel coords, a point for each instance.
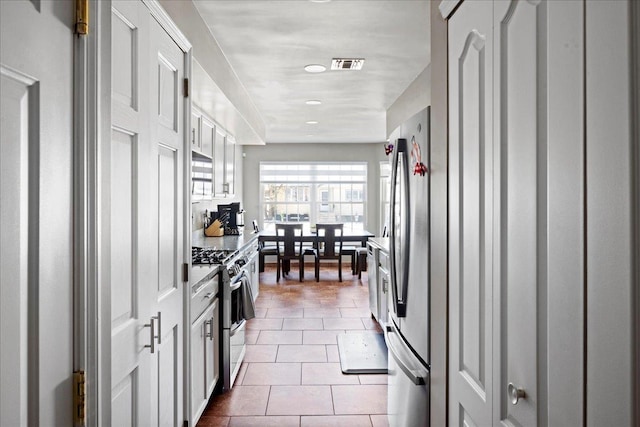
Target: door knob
{"type": "Point", "coordinates": [515, 393]}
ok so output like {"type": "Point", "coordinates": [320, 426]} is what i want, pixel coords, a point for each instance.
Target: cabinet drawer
{"type": "Point", "coordinates": [202, 296]}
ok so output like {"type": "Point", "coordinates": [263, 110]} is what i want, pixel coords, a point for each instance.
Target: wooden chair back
{"type": "Point", "coordinates": [331, 236]}
{"type": "Point", "coordinates": [289, 236]}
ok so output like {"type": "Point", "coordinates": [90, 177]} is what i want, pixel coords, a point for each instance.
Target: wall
{"type": "Point", "coordinates": [415, 98]}
{"type": "Point", "coordinates": [198, 207]}
{"type": "Point", "coordinates": [371, 153]}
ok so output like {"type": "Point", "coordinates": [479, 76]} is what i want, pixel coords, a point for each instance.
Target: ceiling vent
{"type": "Point", "coordinates": [347, 63]}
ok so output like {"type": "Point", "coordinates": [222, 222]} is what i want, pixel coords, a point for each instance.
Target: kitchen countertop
{"type": "Point", "coordinates": [223, 242]}
{"type": "Point", "coordinates": [199, 272]}
{"type": "Point", "coordinates": [381, 243]}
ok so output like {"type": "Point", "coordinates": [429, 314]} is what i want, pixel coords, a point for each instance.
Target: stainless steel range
{"type": "Point", "coordinates": [237, 304]}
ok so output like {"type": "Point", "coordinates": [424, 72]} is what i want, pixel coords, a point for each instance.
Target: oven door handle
{"type": "Point", "coordinates": [238, 327]}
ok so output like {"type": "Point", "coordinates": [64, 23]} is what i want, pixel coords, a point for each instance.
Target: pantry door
{"type": "Point", "coordinates": [128, 262]}
{"type": "Point", "coordinates": [36, 146]}
{"type": "Point", "coordinates": [143, 168]}
{"type": "Point", "coordinates": [471, 213]}
{"type": "Point", "coordinates": [167, 142]}
{"type": "Point", "coordinates": [516, 212]}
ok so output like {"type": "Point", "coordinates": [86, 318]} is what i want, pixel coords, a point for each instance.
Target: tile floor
{"type": "Point", "coordinates": [291, 372]}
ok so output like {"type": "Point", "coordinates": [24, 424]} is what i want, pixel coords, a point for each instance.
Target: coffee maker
{"type": "Point", "coordinates": [235, 224]}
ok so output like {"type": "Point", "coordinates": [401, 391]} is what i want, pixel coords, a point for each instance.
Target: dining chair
{"type": "Point", "coordinates": [289, 247]}
{"type": "Point", "coordinates": [263, 250]}
{"type": "Point", "coordinates": [328, 246]}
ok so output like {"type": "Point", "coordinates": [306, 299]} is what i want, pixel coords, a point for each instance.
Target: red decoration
{"type": "Point", "coordinates": [416, 157]}
{"type": "Point", "coordinates": [388, 149]}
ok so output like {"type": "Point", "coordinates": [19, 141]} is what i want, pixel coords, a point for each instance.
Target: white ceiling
{"type": "Point", "coordinates": [269, 42]}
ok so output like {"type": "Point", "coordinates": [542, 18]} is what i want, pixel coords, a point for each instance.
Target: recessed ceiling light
{"type": "Point", "coordinates": [312, 122]}
{"type": "Point", "coordinates": [313, 102]}
{"type": "Point", "coordinates": [315, 68]}
{"type": "Point", "coordinates": [319, 1]}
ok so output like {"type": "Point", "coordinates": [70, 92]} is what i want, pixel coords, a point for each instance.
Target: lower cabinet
{"type": "Point", "coordinates": [255, 275]}
{"type": "Point", "coordinates": [205, 358]}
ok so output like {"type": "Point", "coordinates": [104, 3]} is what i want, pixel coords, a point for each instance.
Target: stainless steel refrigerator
{"type": "Point", "coordinates": [407, 332]}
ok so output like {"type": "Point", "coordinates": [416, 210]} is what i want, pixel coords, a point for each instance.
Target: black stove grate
{"type": "Point", "coordinates": [210, 255]}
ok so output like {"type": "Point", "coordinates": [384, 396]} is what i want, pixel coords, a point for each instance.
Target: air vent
{"type": "Point", "coordinates": [347, 63]}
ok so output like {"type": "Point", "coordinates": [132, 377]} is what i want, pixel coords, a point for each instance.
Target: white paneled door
{"type": "Point", "coordinates": [515, 174]}
{"type": "Point", "coordinates": [471, 212]}
{"type": "Point", "coordinates": [36, 146]}
{"type": "Point", "coordinates": [143, 169]}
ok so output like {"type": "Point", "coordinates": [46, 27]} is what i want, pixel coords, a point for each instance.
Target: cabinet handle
{"type": "Point", "coordinates": [152, 328]}
{"type": "Point", "coordinates": [159, 319]}
{"type": "Point", "coordinates": [193, 135]}
{"type": "Point", "coordinates": [515, 393]}
{"type": "Point", "coordinates": [210, 333]}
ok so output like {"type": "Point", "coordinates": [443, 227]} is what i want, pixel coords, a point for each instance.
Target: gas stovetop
{"type": "Point", "coordinates": [211, 255]}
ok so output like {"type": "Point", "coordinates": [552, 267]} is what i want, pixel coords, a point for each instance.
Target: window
{"type": "Point", "coordinates": [313, 192]}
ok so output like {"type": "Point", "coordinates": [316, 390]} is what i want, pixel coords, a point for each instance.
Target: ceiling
{"type": "Point", "coordinates": [268, 43]}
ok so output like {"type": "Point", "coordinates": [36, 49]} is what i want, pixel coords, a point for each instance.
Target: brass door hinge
{"type": "Point", "coordinates": [186, 88]}
{"type": "Point", "coordinates": [79, 397]}
{"type": "Point", "coordinates": [82, 17]}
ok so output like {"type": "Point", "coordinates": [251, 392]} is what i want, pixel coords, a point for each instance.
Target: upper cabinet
{"type": "Point", "coordinates": [229, 165]}
{"type": "Point", "coordinates": [207, 130]}
{"type": "Point", "coordinates": [213, 165]}
{"type": "Point", "coordinates": [195, 130]}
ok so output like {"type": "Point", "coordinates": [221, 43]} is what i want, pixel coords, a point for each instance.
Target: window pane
{"type": "Point", "coordinates": [313, 191]}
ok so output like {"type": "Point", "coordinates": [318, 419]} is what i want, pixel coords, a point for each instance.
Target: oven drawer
{"type": "Point", "coordinates": [202, 295]}
{"type": "Point", "coordinates": [237, 347]}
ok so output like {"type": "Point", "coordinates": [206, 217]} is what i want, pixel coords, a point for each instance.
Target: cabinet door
{"type": "Point", "coordinates": [208, 135]}
{"type": "Point", "coordinates": [218, 162]}
{"type": "Point", "coordinates": [516, 213]}
{"type": "Point", "coordinates": [255, 277]}
{"type": "Point", "coordinates": [471, 372]}
{"type": "Point", "coordinates": [230, 163]}
{"type": "Point", "coordinates": [199, 330]}
{"type": "Point", "coordinates": [212, 348]}
{"type": "Point", "coordinates": [195, 131]}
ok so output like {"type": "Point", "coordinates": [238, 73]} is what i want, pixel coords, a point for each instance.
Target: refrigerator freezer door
{"type": "Point", "coordinates": [408, 393]}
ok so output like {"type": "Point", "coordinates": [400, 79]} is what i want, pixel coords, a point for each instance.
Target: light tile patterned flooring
{"type": "Point", "coordinates": [291, 372]}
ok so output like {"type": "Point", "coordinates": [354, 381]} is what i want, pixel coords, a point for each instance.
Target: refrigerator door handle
{"type": "Point", "coordinates": [418, 377]}
{"type": "Point", "coordinates": [399, 284]}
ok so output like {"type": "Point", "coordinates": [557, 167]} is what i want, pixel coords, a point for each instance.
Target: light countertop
{"type": "Point", "coordinates": [381, 243]}
{"type": "Point", "coordinates": [227, 242]}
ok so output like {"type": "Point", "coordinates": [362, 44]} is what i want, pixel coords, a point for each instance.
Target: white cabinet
{"type": "Point", "coordinates": [214, 163]}
{"type": "Point", "coordinates": [202, 133]}
{"type": "Point", "coordinates": [254, 274]}
{"type": "Point", "coordinates": [195, 130]}
{"type": "Point", "coordinates": [229, 165]}
{"type": "Point", "coordinates": [205, 358]}
{"type": "Point", "coordinates": [515, 174]}
{"type": "Point", "coordinates": [218, 162]}
{"type": "Point", "coordinates": [207, 130]}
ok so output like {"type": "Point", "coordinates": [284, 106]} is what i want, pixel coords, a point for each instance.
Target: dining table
{"type": "Point", "coordinates": [309, 236]}
{"type": "Point", "coordinates": [361, 236]}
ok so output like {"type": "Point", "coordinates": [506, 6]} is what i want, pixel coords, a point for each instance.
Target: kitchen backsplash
{"type": "Point", "coordinates": [198, 208]}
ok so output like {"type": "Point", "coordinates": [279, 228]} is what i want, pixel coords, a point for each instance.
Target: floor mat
{"type": "Point", "coordinates": [362, 353]}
